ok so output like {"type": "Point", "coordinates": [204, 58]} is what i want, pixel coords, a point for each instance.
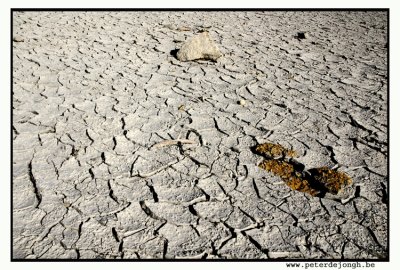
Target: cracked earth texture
{"type": "Point", "coordinates": [94, 91]}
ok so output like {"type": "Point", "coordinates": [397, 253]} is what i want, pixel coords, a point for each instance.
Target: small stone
{"type": "Point", "coordinates": [199, 46]}
{"type": "Point", "coordinates": [66, 204]}
{"type": "Point", "coordinates": [18, 39]}
{"type": "Point", "coordinates": [242, 102]}
{"type": "Point", "coordinates": [183, 28]}
{"type": "Point", "coordinates": [301, 35]}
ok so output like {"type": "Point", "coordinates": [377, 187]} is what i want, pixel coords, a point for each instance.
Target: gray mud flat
{"type": "Point", "coordinates": [122, 151]}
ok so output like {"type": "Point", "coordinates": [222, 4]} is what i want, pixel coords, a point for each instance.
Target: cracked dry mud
{"type": "Point", "coordinates": [93, 92]}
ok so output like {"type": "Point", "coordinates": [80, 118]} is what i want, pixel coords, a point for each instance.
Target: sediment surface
{"type": "Point", "coordinates": [122, 151]}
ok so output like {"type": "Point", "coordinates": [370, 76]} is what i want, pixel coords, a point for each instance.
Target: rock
{"type": "Point", "coordinates": [301, 35]}
{"type": "Point", "coordinates": [199, 47]}
{"type": "Point", "coordinates": [183, 28]}
{"type": "Point", "coordinates": [18, 39]}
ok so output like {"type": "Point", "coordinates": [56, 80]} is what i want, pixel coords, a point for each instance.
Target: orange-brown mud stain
{"type": "Point", "coordinates": [274, 150]}
{"type": "Point", "coordinates": [323, 178]}
{"type": "Point", "coordinates": [288, 174]}
{"type": "Point", "coordinates": [333, 181]}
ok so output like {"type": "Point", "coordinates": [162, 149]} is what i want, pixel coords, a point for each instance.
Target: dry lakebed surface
{"type": "Point", "coordinates": [200, 135]}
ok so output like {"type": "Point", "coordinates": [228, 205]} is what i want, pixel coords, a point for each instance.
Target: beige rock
{"type": "Point", "coordinates": [18, 39]}
{"type": "Point", "coordinates": [199, 46]}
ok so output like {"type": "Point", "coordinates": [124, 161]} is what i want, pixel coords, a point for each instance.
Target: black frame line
{"type": "Point", "coordinates": [289, 260]}
{"type": "Point", "coordinates": [388, 129]}
{"type": "Point", "coordinates": [11, 134]}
